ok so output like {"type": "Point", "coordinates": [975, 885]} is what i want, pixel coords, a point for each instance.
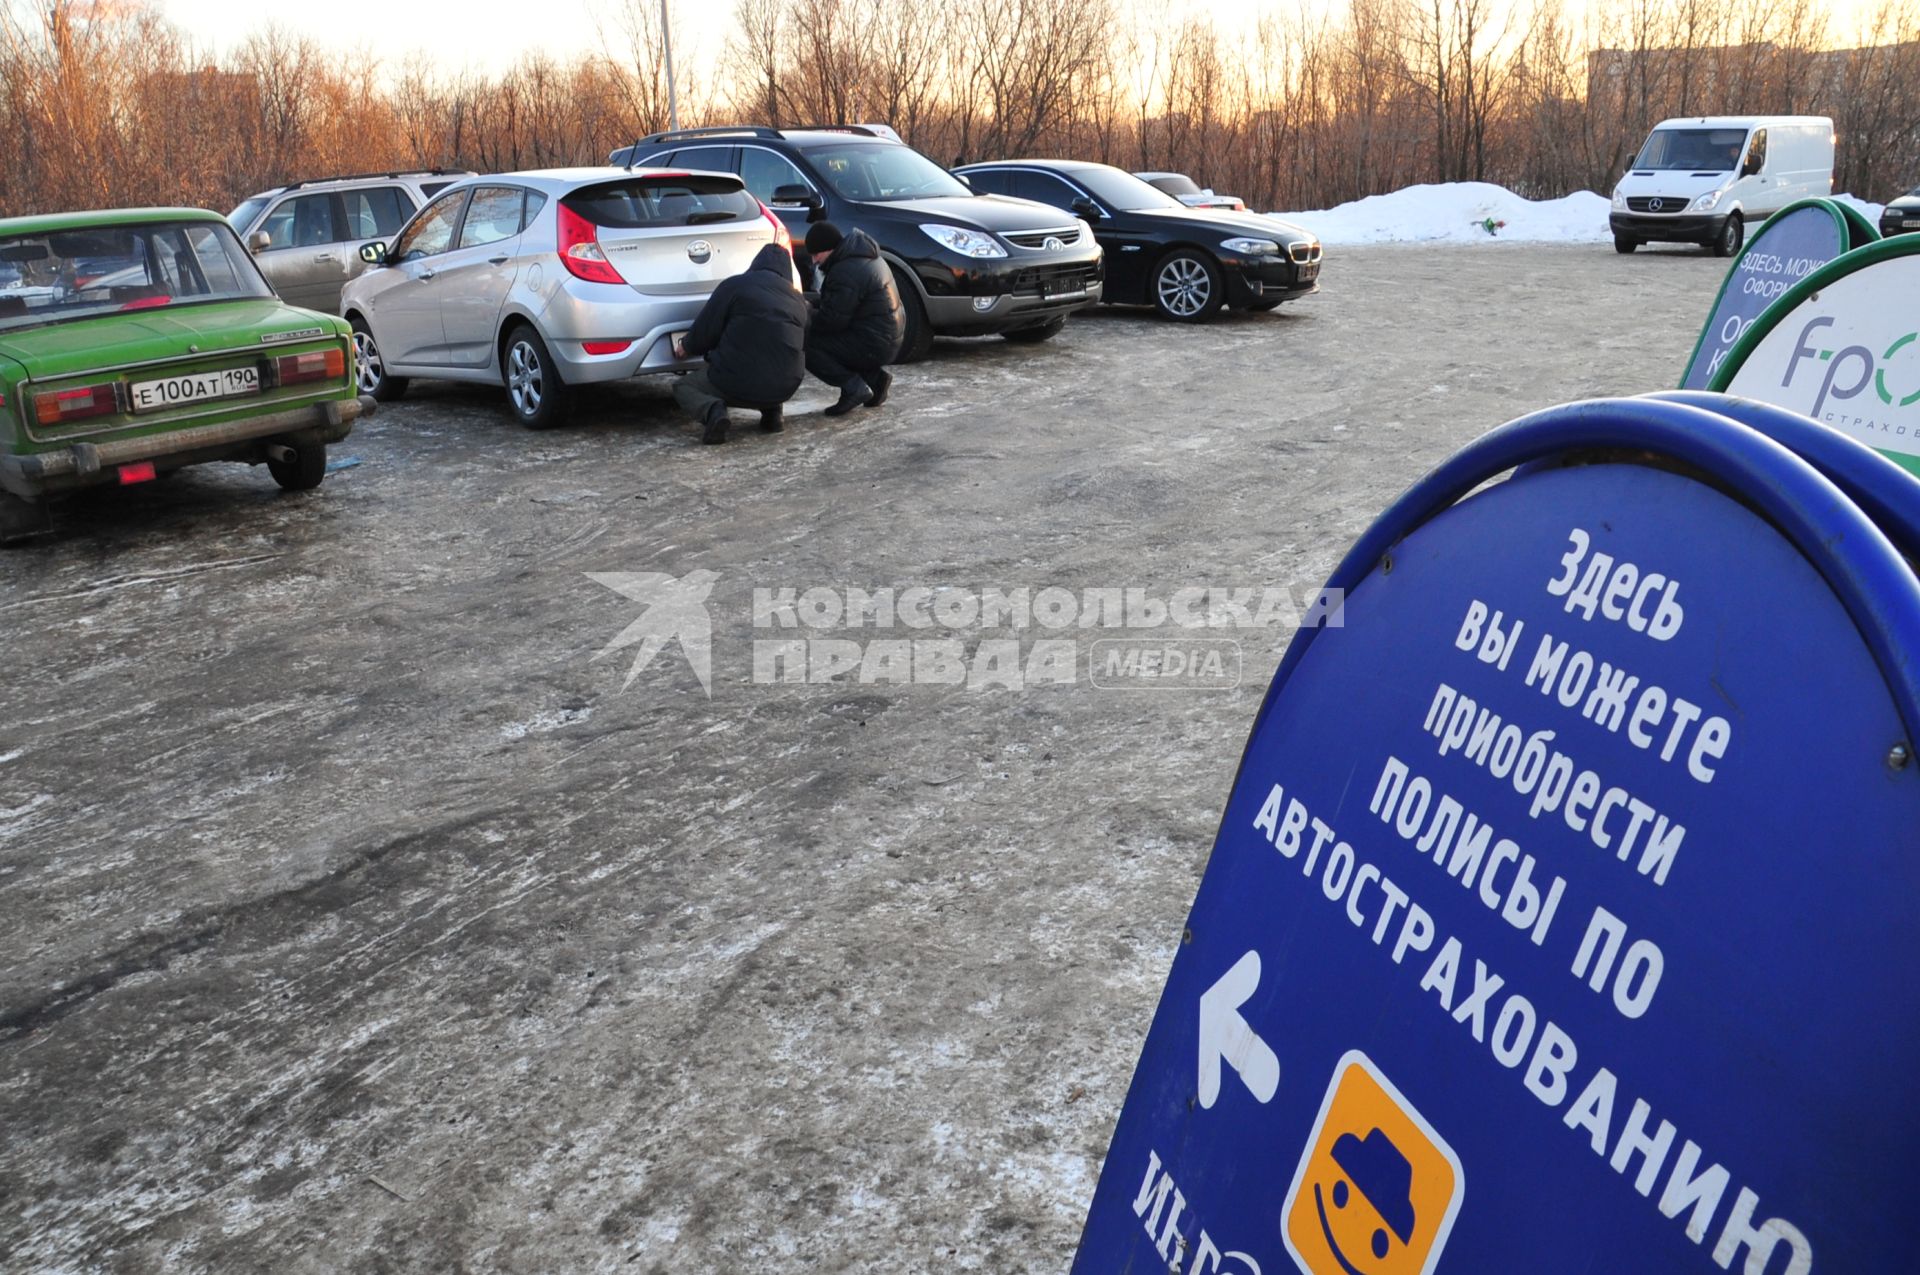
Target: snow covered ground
{"type": "Point", "coordinates": [1461, 212]}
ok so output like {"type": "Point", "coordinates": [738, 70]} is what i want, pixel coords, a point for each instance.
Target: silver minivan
{"type": "Point", "coordinates": [306, 237]}
{"type": "Point", "coordinates": [540, 281]}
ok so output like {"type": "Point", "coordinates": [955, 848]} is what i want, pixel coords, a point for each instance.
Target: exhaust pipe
{"type": "Point", "coordinates": [282, 453]}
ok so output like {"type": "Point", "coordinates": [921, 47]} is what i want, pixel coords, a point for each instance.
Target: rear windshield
{"type": "Point", "coordinates": [1175, 185]}
{"type": "Point", "coordinates": [1702, 150]}
{"type": "Point", "coordinates": [664, 201]}
{"type": "Point", "coordinates": [73, 274]}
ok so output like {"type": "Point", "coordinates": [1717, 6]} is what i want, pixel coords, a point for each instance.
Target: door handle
{"type": "Point", "coordinates": [500, 260]}
{"type": "Point", "coordinates": [427, 274]}
{"type": "Point", "coordinates": [324, 256]}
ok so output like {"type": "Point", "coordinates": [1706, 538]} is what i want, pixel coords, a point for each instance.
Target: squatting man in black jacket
{"type": "Point", "coordinates": [753, 332]}
{"type": "Point", "coordinates": [858, 322]}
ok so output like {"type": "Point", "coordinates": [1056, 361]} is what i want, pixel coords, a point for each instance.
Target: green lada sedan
{"type": "Point", "coordinates": [134, 342]}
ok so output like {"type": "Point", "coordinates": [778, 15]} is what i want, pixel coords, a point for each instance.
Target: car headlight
{"type": "Point", "coordinates": [1619, 202]}
{"type": "Point", "coordinates": [1708, 200]}
{"type": "Point", "coordinates": [968, 243]}
{"type": "Point", "coordinates": [1252, 247]}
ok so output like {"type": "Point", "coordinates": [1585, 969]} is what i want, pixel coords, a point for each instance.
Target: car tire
{"type": "Point", "coordinates": [1625, 243]}
{"type": "Point", "coordinates": [918, 341]}
{"type": "Point", "coordinates": [1035, 335]}
{"type": "Point", "coordinates": [1264, 305]}
{"type": "Point", "coordinates": [308, 466]}
{"type": "Point", "coordinates": [370, 372]}
{"type": "Point", "coordinates": [535, 393]}
{"type": "Point", "coordinates": [1187, 287]}
{"type": "Point", "coordinates": [1732, 234]}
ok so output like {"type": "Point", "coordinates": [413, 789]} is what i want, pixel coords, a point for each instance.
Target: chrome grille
{"type": "Point", "coordinates": [1067, 235]}
{"type": "Point", "coordinates": [1302, 253]}
{"type": "Point", "coordinates": [1656, 203]}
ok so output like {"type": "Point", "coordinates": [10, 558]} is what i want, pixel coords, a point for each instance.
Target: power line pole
{"type": "Point", "coordinates": [666, 39]}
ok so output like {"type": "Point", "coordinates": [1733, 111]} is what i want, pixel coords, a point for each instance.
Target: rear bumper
{"type": "Point", "coordinates": [1658, 227]}
{"type": "Point", "coordinates": [579, 312]}
{"type": "Point", "coordinates": [39, 474]}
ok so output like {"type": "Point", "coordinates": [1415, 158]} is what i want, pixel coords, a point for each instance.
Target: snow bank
{"type": "Point", "coordinates": [1458, 213]}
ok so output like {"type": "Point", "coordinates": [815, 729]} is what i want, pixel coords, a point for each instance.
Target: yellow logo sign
{"type": "Point", "coordinates": [1378, 1188]}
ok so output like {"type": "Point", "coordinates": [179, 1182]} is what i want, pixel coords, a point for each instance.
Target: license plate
{"type": "Point", "coordinates": [1911, 223]}
{"type": "Point", "coordinates": [172, 391]}
{"type": "Point", "coordinates": [1309, 272]}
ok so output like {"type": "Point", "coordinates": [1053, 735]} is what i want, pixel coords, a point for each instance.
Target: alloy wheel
{"type": "Point", "coordinates": [526, 381]}
{"type": "Point", "coordinates": [1184, 287]}
{"type": "Point", "coordinates": [368, 369]}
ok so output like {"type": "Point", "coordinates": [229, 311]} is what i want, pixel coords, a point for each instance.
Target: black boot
{"type": "Point", "coordinates": [853, 394]}
{"type": "Point", "coordinates": [773, 420]}
{"type": "Point", "coordinates": [882, 382]}
{"type": "Point", "coordinates": [715, 421]}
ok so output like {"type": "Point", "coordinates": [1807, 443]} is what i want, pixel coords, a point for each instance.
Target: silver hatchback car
{"type": "Point", "coordinates": [540, 281]}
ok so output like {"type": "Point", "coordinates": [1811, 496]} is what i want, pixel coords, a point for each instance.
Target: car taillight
{"type": "Point", "coordinates": [319, 365]}
{"type": "Point", "coordinates": [55, 406]}
{"type": "Point", "coordinates": [580, 250]}
{"type": "Point", "coordinates": [781, 235]}
{"type": "Point", "coordinates": [606, 347]}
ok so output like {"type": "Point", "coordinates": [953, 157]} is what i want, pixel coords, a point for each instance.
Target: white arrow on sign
{"type": "Point", "coordinates": [1226, 1035]}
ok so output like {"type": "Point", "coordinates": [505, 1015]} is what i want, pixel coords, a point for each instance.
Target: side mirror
{"type": "Point", "coordinates": [259, 241]}
{"type": "Point", "coordinates": [798, 195]}
{"type": "Point", "coordinates": [1087, 209]}
{"type": "Point", "coordinates": [374, 254]}
{"type": "Point", "coordinates": [1751, 166]}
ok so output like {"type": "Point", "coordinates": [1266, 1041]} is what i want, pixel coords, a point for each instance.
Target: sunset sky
{"type": "Point", "coordinates": [489, 35]}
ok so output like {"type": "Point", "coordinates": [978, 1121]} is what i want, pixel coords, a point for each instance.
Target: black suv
{"type": "Point", "coordinates": [965, 264]}
{"type": "Point", "coordinates": [1186, 262]}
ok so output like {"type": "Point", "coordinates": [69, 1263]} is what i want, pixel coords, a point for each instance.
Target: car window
{"type": "Point", "coordinates": [870, 171]}
{"type": "Point", "coordinates": [241, 217]}
{"type": "Point", "coordinates": [1122, 191]}
{"type": "Point", "coordinates": [766, 171]}
{"type": "Point", "coordinates": [990, 181]}
{"type": "Point", "coordinates": [430, 189]}
{"type": "Point", "coordinates": [432, 231]}
{"type": "Point", "coordinates": [535, 202]}
{"type": "Point", "coordinates": [710, 159]}
{"type": "Point", "coordinates": [305, 221]}
{"type": "Point", "coordinates": [637, 201]}
{"type": "Point", "coordinates": [1174, 184]}
{"type": "Point", "coordinates": [1046, 188]}
{"type": "Point", "coordinates": [493, 215]}
{"type": "Point", "coordinates": [376, 212]}
{"type": "Point", "coordinates": [78, 274]}
{"type": "Point", "coordinates": [1757, 151]}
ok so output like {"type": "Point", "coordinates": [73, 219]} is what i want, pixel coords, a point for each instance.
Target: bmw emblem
{"type": "Point", "coordinates": [1656, 204]}
{"type": "Point", "coordinates": [1053, 244]}
{"type": "Point", "coordinates": [700, 251]}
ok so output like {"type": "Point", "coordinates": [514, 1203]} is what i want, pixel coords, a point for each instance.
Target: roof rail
{"type": "Point", "coordinates": [358, 177]}
{"type": "Point", "coordinates": [717, 130]}
{"type": "Point", "coordinates": [860, 130]}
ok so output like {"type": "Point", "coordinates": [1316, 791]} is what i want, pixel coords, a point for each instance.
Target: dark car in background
{"type": "Point", "coordinates": [1188, 263]}
{"type": "Point", "coordinates": [1902, 214]}
{"type": "Point", "coordinates": [965, 264]}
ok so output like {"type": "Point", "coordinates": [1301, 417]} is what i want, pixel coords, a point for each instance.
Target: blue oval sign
{"type": "Point", "coordinates": [1560, 917]}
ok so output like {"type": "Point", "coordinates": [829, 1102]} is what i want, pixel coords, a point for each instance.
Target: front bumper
{"type": "Point", "coordinates": [1659, 227]}
{"type": "Point", "coordinates": [1267, 278]}
{"type": "Point", "coordinates": [35, 475]}
{"type": "Point", "coordinates": [1899, 221]}
{"type": "Point", "coordinates": [980, 297]}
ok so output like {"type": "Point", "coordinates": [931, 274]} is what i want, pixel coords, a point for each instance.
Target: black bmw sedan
{"type": "Point", "coordinates": [1188, 263]}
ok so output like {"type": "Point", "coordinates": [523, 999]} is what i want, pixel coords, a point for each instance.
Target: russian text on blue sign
{"type": "Point", "coordinates": [1786, 248]}
{"type": "Point", "coordinates": [1588, 841]}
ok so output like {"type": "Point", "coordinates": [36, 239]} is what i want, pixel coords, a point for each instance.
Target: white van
{"type": "Point", "coordinates": [1701, 180]}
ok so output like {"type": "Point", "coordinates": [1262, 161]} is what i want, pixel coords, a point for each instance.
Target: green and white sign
{"type": "Point", "coordinates": [1843, 347]}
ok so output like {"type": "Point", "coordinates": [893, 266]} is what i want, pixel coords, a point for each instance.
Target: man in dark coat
{"type": "Point", "coordinates": [858, 321]}
{"type": "Point", "coordinates": [753, 332]}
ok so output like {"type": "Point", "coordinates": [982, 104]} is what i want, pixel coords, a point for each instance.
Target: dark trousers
{"type": "Point", "coordinates": [828, 360]}
{"type": "Point", "coordinates": [695, 393]}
